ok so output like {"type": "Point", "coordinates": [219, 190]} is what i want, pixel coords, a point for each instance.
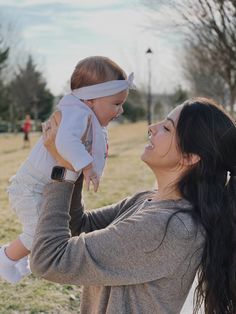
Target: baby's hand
{"type": "Point", "coordinates": [90, 175]}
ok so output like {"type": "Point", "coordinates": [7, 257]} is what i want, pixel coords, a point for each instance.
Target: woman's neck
{"type": "Point", "coordinates": [161, 195]}
{"type": "Point", "coordinates": [167, 188]}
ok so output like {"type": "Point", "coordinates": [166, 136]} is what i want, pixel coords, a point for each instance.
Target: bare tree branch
{"type": "Point", "coordinates": [211, 34]}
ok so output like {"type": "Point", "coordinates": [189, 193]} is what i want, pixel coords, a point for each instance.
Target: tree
{"type": "Point", "coordinates": [178, 96]}
{"type": "Point", "coordinates": [134, 108]}
{"type": "Point", "coordinates": [22, 87]}
{"type": "Point", "coordinates": [204, 80]}
{"type": "Point", "coordinates": [4, 52]}
{"type": "Point", "coordinates": [133, 113]}
{"type": "Point", "coordinates": [210, 28]}
{"type": "Point", "coordinates": [3, 56]}
{"type": "Point", "coordinates": [29, 93]}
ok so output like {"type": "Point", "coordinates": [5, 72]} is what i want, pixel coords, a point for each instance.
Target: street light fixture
{"type": "Point", "coordinates": [149, 53]}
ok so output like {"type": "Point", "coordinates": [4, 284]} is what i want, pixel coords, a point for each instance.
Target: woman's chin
{"type": "Point", "coordinates": [143, 157]}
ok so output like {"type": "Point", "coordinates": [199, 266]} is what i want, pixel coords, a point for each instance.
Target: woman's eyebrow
{"type": "Point", "coordinates": [171, 121]}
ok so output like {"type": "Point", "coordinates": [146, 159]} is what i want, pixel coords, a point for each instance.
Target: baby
{"type": "Point", "coordinates": [99, 88]}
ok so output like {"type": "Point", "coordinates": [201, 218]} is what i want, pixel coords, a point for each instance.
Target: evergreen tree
{"type": "Point", "coordinates": [29, 93]}
{"type": "Point", "coordinates": [3, 93]}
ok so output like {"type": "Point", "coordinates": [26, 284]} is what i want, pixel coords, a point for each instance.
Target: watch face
{"type": "Point", "coordinates": [58, 173]}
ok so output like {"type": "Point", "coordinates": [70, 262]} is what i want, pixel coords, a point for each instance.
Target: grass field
{"type": "Point", "coordinates": [125, 174]}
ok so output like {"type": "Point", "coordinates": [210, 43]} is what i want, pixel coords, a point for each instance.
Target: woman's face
{"type": "Point", "coordinates": [162, 150]}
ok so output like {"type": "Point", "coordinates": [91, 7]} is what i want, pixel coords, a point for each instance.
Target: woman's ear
{"type": "Point", "coordinates": [190, 159]}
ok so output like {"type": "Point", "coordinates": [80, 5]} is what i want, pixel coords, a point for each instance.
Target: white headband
{"type": "Point", "coordinates": [104, 89]}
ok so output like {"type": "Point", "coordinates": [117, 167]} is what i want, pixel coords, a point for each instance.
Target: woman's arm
{"type": "Point", "coordinates": [87, 221]}
{"type": "Point", "coordinates": [126, 252]}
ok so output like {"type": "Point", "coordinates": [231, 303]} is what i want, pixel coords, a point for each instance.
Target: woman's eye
{"type": "Point", "coordinates": [168, 130]}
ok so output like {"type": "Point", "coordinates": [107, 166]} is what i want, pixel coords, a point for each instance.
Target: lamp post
{"type": "Point", "coordinates": [149, 98]}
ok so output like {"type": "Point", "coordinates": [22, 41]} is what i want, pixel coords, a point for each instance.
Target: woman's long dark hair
{"type": "Point", "coordinates": [208, 131]}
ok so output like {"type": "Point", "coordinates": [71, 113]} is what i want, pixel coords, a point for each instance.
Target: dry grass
{"type": "Point", "coordinates": [124, 175]}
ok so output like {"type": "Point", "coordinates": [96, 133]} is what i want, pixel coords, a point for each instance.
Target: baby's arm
{"type": "Point", "coordinates": [90, 175]}
{"type": "Point", "coordinates": [88, 171]}
{"type": "Point", "coordinates": [49, 129]}
{"type": "Point", "coordinates": [68, 138]}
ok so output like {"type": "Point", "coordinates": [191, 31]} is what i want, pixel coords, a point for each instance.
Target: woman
{"type": "Point", "coordinates": [141, 254]}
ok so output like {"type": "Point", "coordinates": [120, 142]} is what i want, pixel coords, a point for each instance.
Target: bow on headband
{"type": "Point", "coordinates": [104, 89]}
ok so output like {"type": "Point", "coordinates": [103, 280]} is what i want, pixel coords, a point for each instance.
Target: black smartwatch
{"type": "Point", "coordinates": [63, 174]}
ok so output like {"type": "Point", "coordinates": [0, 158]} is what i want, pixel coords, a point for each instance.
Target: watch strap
{"type": "Point", "coordinates": [71, 176]}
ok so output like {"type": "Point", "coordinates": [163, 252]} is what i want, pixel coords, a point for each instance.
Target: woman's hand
{"type": "Point", "coordinates": [49, 135]}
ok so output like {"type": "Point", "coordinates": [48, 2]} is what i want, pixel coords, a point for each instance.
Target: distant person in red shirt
{"type": "Point", "coordinates": [26, 129]}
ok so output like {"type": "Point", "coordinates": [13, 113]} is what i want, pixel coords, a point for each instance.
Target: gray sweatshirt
{"type": "Point", "coordinates": [124, 254]}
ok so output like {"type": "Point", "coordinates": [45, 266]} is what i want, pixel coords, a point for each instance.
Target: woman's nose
{"type": "Point", "coordinates": [152, 129]}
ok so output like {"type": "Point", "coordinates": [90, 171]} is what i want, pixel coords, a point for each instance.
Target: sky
{"type": "Point", "coordinates": [60, 33]}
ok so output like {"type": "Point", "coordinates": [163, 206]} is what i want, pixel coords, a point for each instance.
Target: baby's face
{"type": "Point", "coordinates": [109, 107]}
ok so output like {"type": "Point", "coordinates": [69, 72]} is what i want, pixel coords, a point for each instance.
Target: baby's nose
{"type": "Point", "coordinates": [121, 110]}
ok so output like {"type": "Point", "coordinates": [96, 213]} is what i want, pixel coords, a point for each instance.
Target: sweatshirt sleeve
{"type": "Point", "coordinates": [87, 221]}
{"type": "Point", "coordinates": [68, 140]}
{"type": "Point", "coordinates": [133, 251]}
